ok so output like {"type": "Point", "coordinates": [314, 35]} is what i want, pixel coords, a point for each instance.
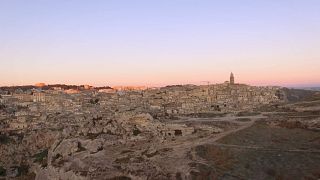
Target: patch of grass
{"type": "Point", "coordinates": [273, 159]}
{"type": "Point", "coordinates": [261, 134]}
{"type": "Point", "coordinates": [220, 158]}
{"type": "Point", "coordinates": [292, 124]}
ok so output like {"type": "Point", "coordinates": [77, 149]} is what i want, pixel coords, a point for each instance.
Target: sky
{"type": "Point", "coordinates": [160, 42]}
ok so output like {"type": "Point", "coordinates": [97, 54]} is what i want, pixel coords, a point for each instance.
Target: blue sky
{"type": "Point", "coordinates": [139, 42]}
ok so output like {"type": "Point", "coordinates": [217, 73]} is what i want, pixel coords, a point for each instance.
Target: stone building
{"type": "Point", "coordinates": [39, 97]}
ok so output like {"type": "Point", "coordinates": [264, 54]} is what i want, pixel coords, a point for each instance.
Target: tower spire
{"type": "Point", "coordinates": [231, 78]}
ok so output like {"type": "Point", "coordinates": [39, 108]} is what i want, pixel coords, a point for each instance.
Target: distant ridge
{"type": "Point", "coordinates": [308, 88]}
{"type": "Point", "coordinates": [48, 87]}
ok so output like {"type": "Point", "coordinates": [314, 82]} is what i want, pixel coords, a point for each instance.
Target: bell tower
{"type": "Point", "coordinates": [231, 78]}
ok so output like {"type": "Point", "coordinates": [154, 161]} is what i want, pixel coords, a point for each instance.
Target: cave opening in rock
{"type": "Point", "coordinates": [177, 132]}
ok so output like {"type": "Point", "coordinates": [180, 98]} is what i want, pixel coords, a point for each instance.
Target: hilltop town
{"type": "Point", "coordinates": [72, 132]}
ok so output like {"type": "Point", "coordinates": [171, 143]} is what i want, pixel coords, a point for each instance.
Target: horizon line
{"type": "Point", "coordinates": [300, 85]}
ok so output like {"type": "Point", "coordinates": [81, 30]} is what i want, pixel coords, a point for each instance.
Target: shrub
{"type": "Point", "coordinates": [3, 172]}
{"type": "Point", "coordinates": [41, 158]}
{"type": "Point", "coordinates": [4, 139]}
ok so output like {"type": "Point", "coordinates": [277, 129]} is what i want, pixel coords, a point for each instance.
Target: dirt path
{"type": "Point", "coordinates": [214, 137]}
{"type": "Point", "coordinates": [242, 125]}
{"type": "Point", "coordinates": [266, 149]}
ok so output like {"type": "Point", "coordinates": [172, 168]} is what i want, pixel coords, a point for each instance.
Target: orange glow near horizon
{"type": "Point", "coordinates": [160, 81]}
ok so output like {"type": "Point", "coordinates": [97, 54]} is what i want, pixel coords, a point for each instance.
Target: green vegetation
{"type": "Point", "coordinates": [4, 139]}
{"type": "Point", "coordinates": [3, 172]}
{"type": "Point", "coordinates": [41, 158]}
{"type": "Point", "coordinates": [262, 151]}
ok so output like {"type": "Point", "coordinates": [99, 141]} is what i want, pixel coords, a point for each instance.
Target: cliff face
{"type": "Point", "coordinates": [131, 146]}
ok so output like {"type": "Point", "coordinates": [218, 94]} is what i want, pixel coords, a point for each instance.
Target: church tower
{"type": "Point", "coordinates": [231, 78]}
